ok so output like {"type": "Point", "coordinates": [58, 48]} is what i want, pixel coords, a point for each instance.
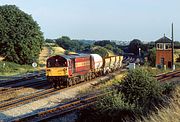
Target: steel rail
{"type": "Point", "coordinates": [10, 82]}
{"type": "Point", "coordinates": [160, 76]}
{"type": "Point", "coordinates": [39, 95]}
{"type": "Point", "coordinates": [168, 76]}
{"type": "Point", "coordinates": [77, 104]}
{"type": "Point", "coordinates": [34, 84]}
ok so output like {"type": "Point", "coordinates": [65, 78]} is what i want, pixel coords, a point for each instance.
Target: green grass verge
{"type": "Point", "coordinates": [10, 68]}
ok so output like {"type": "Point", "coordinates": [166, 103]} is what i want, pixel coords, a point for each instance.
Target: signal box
{"type": "Point", "coordinates": [164, 53]}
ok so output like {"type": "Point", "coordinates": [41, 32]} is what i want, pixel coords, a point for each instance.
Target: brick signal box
{"type": "Point", "coordinates": [164, 53]}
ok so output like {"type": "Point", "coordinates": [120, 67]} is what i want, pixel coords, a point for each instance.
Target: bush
{"type": "Point", "coordinates": [140, 88]}
{"type": "Point", "coordinates": [136, 95]}
{"type": "Point", "coordinates": [109, 108]}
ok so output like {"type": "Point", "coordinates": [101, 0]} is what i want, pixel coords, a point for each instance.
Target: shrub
{"type": "Point", "coordinates": [140, 88]}
{"type": "Point", "coordinates": [109, 108]}
{"type": "Point", "coordinates": [136, 95]}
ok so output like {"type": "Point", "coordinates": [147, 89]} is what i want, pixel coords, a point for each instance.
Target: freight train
{"type": "Point", "coordinates": [67, 70]}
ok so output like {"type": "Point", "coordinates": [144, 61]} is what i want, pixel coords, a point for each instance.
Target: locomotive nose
{"type": "Point", "coordinates": [48, 70]}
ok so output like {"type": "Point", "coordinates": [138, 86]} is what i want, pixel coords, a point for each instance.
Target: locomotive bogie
{"type": "Point", "coordinates": [57, 81]}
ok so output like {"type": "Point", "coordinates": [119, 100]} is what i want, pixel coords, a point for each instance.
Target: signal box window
{"type": "Point", "coordinates": [167, 46]}
{"type": "Point", "coordinates": [160, 46]}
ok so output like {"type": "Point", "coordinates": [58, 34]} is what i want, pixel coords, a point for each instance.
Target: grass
{"type": "Point", "coordinates": [103, 85]}
{"type": "Point", "coordinates": [155, 70]}
{"type": "Point", "coordinates": [110, 53]}
{"type": "Point", "coordinates": [177, 65]}
{"type": "Point", "coordinates": [176, 56]}
{"type": "Point", "coordinates": [10, 68]}
{"type": "Point", "coordinates": [45, 53]}
{"type": "Point", "coordinates": [167, 114]}
{"type": "Point", "coordinates": [58, 50]}
{"type": "Point", "coordinates": [1, 58]}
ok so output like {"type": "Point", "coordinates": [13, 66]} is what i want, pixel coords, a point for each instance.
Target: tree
{"type": "Point", "coordinates": [177, 44]}
{"type": "Point", "coordinates": [64, 42]}
{"type": "Point", "coordinates": [110, 46]}
{"type": "Point", "coordinates": [50, 41]}
{"type": "Point", "coordinates": [152, 57]}
{"type": "Point", "coordinates": [100, 50]}
{"type": "Point", "coordinates": [118, 51]}
{"type": "Point", "coordinates": [134, 46]}
{"type": "Point", "coordinates": [68, 44]}
{"type": "Point", "coordinates": [20, 37]}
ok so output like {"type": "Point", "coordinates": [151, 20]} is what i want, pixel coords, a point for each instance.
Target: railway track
{"type": "Point", "coordinates": [61, 109]}
{"type": "Point", "coordinates": [23, 79]}
{"type": "Point", "coordinates": [167, 76]}
{"type": "Point", "coordinates": [35, 84]}
{"type": "Point", "coordinates": [39, 95]}
{"type": "Point", "coordinates": [26, 99]}
{"type": "Point", "coordinates": [48, 92]}
{"type": "Point", "coordinates": [78, 104]}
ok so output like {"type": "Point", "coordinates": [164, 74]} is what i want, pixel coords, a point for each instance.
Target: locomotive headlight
{"type": "Point", "coordinates": [48, 70]}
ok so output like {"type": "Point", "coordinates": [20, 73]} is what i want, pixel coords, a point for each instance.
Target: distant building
{"type": "Point", "coordinates": [164, 52]}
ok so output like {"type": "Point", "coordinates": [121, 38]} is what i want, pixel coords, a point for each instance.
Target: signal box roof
{"type": "Point", "coordinates": [164, 40]}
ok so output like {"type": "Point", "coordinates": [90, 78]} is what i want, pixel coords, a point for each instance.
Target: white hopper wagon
{"type": "Point", "coordinates": [96, 62]}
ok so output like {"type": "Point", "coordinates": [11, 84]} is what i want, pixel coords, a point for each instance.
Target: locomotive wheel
{"type": "Point", "coordinates": [89, 76]}
{"type": "Point", "coordinates": [54, 85]}
{"type": "Point", "coordinates": [74, 81]}
{"type": "Point", "coordinates": [94, 75]}
{"type": "Point", "coordinates": [101, 73]}
{"type": "Point", "coordinates": [59, 84]}
{"type": "Point", "coordinates": [70, 82]}
{"type": "Point", "coordinates": [85, 79]}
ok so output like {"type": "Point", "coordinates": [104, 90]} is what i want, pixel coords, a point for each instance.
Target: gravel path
{"type": "Point", "coordinates": [45, 103]}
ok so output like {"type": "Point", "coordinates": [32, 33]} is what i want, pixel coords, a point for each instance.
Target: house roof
{"type": "Point", "coordinates": [164, 40]}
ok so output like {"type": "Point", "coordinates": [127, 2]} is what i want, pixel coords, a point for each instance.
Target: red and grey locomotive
{"type": "Point", "coordinates": [67, 70]}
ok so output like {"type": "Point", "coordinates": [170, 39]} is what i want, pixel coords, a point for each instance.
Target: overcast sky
{"type": "Point", "coordinates": [146, 20]}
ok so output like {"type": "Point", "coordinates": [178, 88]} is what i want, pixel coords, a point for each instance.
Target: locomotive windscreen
{"type": "Point", "coordinates": [56, 62]}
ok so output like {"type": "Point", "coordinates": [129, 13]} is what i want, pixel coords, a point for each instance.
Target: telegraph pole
{"type": "Point", "coordinates": [173, 67]}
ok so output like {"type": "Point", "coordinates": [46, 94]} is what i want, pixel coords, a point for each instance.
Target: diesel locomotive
{"type": "Point", "coordinates": [67, 70]}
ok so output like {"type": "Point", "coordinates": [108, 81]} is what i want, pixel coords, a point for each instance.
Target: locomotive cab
{"type": "Point", "coordinates": [57, 66]}
{"type": "Point", "coordinates": [57, 70]}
